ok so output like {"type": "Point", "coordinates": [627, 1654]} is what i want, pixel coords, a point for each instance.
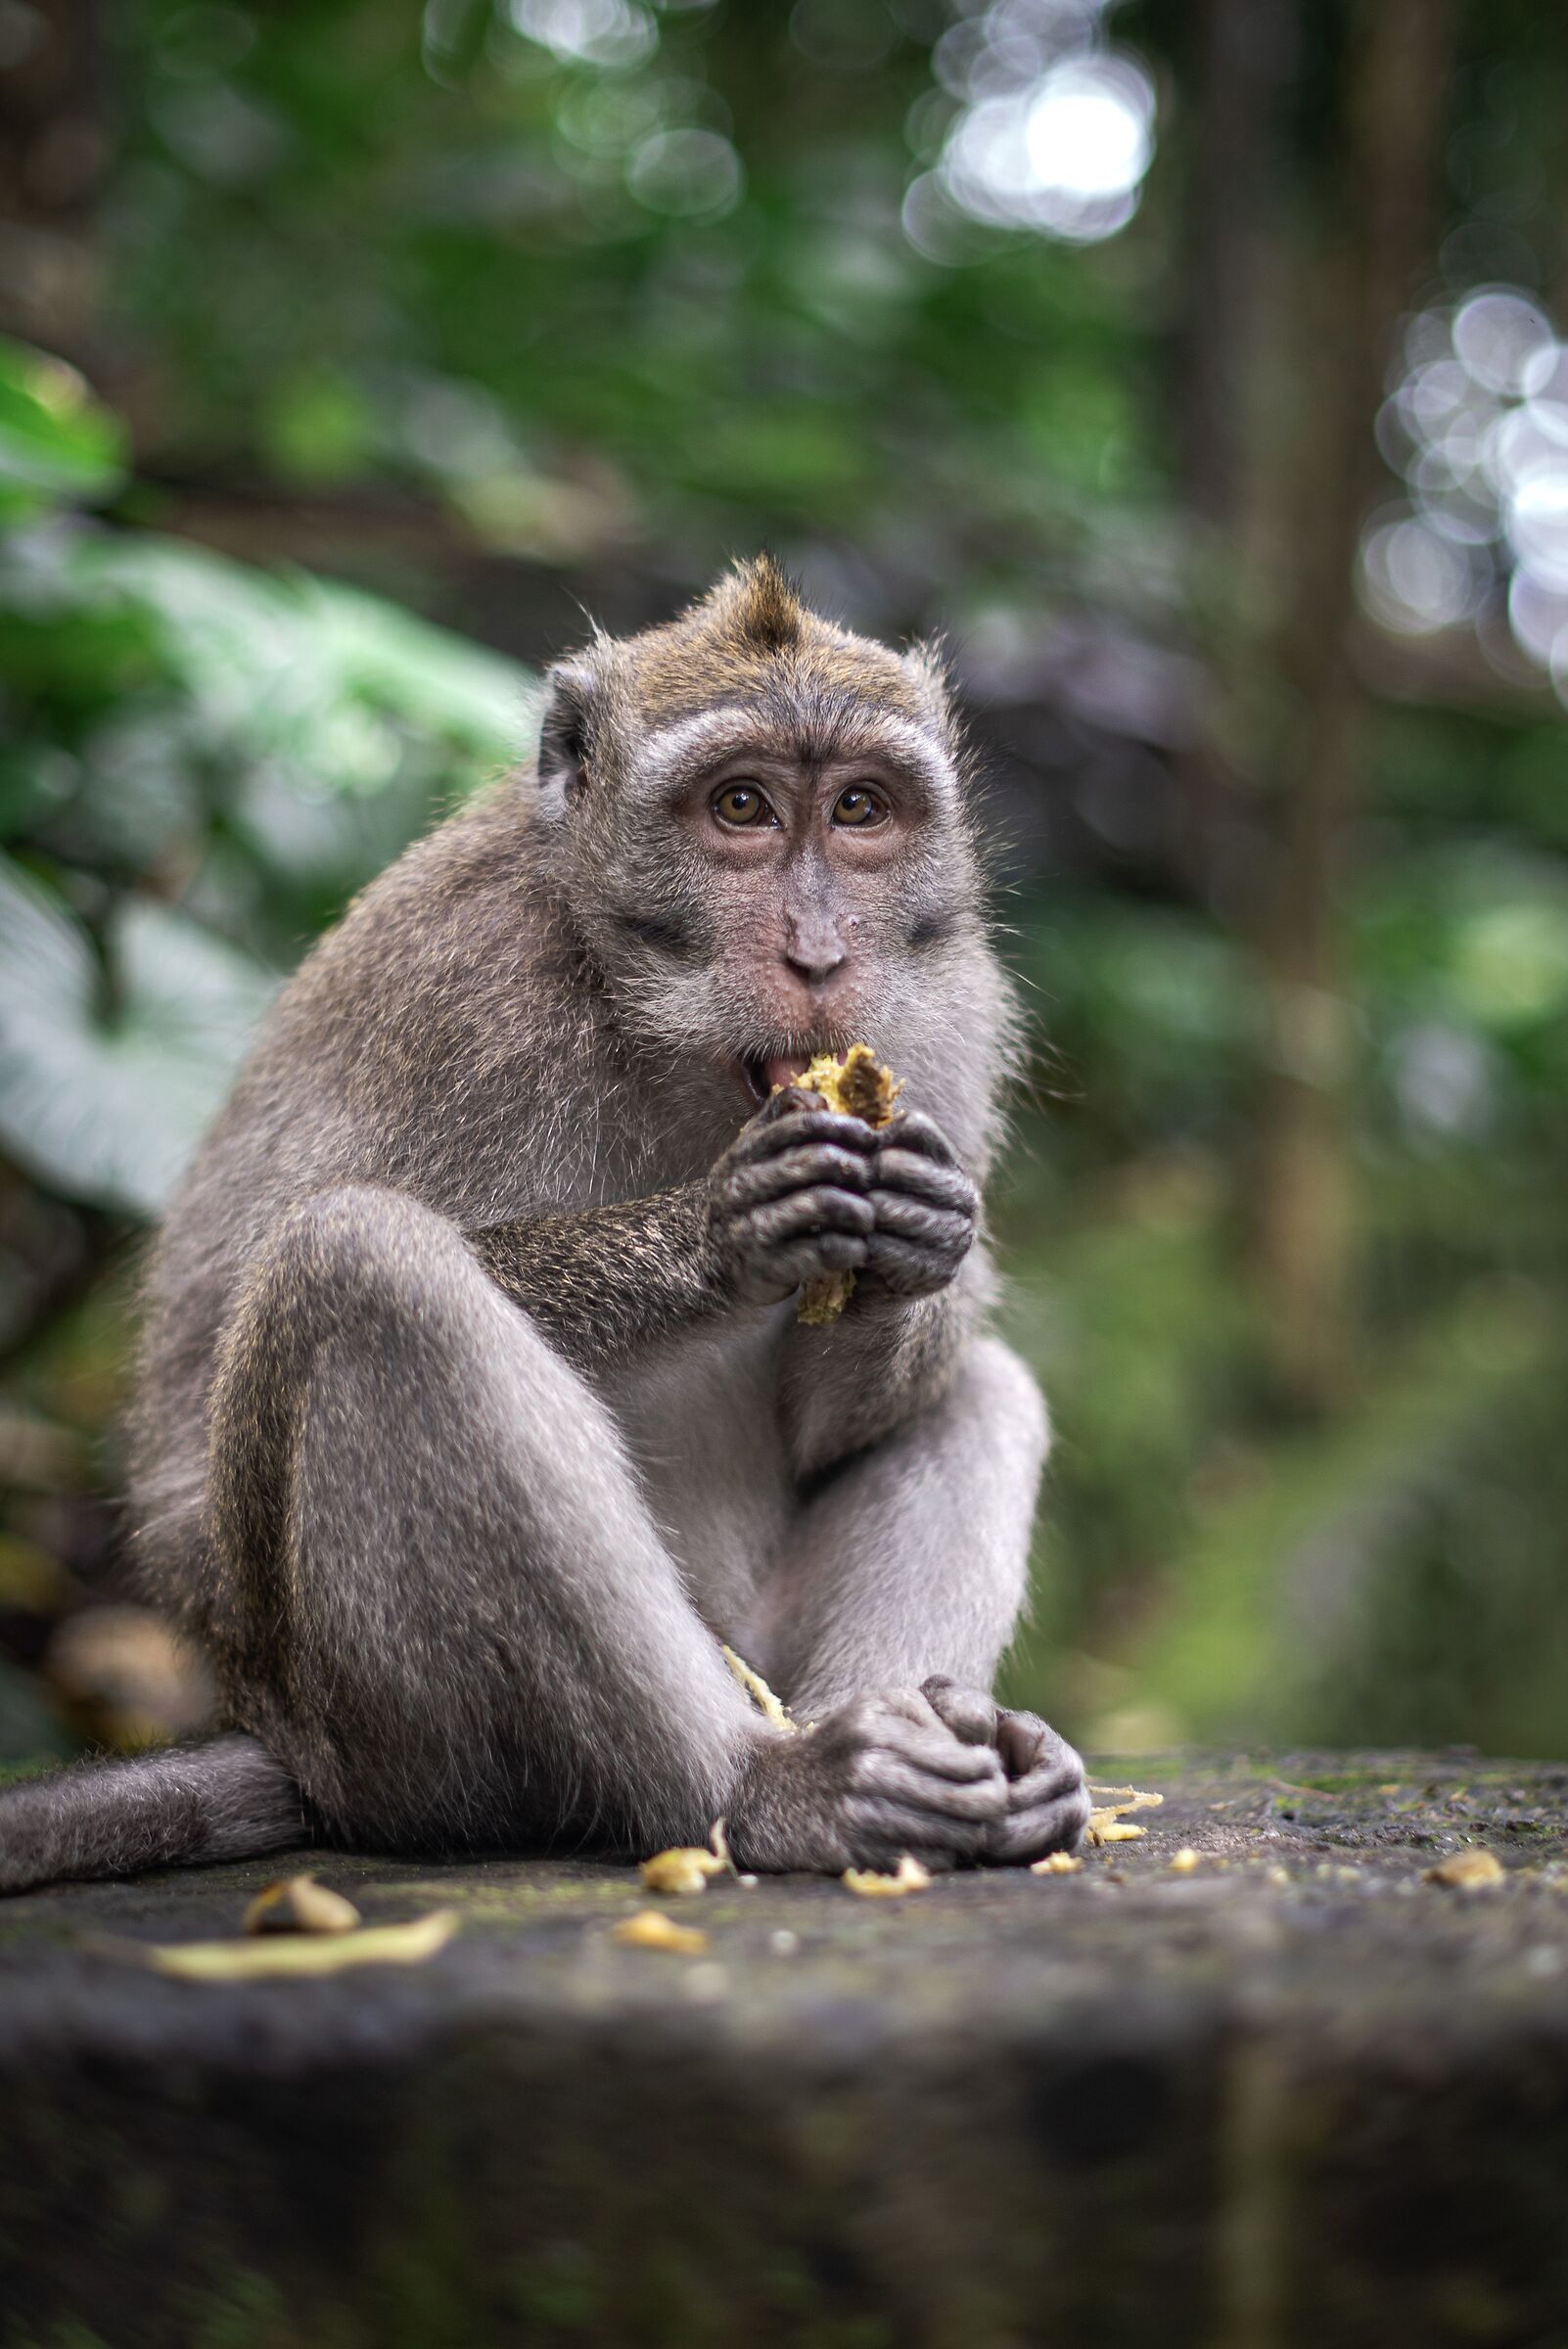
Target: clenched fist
{"type": "Point", "coordinates": [787, 1200]}
{"type": "Point", "coordinates": [925, 1205]}
{"type": "Point", "coordinates": [802, 1191]}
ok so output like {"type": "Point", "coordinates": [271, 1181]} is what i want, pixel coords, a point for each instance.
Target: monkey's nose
{"type": "Point", "coordinates": [816, 969]}
{"type": "Point", "coordinates": [813, 950]}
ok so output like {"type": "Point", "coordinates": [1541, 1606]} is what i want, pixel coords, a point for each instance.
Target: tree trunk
{"type": "Point", "coordinates": [1345, 310]}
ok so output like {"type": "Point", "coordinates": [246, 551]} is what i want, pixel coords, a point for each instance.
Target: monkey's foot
{"type": "Point", "coordinates": [881, 1775]}
{"type": "Point", "coordinates": [1048, 1798]}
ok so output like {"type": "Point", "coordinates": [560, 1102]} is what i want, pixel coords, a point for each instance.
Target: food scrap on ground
{"type": "Point", "coordinates": [300, 1905]}
{"type": "Point", "coordinates": [276, 1955]}
{"type": "Point", "coordinates": [1186, 1861]}
{"type": "Point", "coordinates": [855, 1086]}
{"type": "Point", "coordinates": [686, 1868]}
{"type": "Point", "coordinates": [1105, 1821]}
{"type": "Point", "coordinates": [1469, 1871]}
{"type": "Point", "coordinates": [652, 1929]}
{"type": "Point", "coordinates": [1056, 1864]}
{"type": "Point", "coordinates": [907, 1877]}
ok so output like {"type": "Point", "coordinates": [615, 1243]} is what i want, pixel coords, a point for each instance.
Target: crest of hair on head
{"type": "Point", "coordinates": [762, 605]}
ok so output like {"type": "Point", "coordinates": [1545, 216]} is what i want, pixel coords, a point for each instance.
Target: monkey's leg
{"type": "Point", "coordinates": [910, 1564]}
{"type": "Point", "coordinates": [443, 1605]}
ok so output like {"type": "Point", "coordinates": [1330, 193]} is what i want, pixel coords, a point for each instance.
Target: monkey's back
{"type": "Point", "coordinates": [440, 1042]}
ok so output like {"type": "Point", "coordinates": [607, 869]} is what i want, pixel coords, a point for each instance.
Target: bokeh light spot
{"type": "Point", "coordinates": [691, 174]}
{"type": "Point", "coordinates": [1054, 132]}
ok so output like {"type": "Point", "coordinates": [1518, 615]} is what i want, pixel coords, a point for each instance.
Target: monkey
{"type": "Point", "coordinates": [473, 1411]}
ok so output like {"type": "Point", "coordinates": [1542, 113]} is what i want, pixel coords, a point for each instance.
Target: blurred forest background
{"type": "Point", "coordinates": [1197, 371]}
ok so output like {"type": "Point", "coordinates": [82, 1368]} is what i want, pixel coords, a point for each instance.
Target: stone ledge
{"type": "Point", "coordinates": [1128, 2105]}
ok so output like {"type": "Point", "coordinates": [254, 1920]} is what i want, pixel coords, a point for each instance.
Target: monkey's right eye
{"type": "Point", "coordinates": [740, 804]}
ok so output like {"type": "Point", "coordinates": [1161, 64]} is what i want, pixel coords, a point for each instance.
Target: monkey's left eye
{"type": "Point", "coordinates": [859, 807]}
{"type": "Point", "coordinates": [741, 804]}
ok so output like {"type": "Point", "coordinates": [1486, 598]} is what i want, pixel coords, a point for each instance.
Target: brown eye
{"type": "Point", "coordinates": [740, 804]}
{"type": "Point", "coordinates": [859, 807]}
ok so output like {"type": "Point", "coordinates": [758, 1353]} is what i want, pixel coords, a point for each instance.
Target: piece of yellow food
{"type": "Point", "coordinates": [688, 1867]}
{"type": "Point", "coordinates": [1105, 1824]}
{"type": "Point", "coordinates": [279, 1954]}
{"type": "Point", "coordinates": [907, 1877]}
{"type": "Point", "coordinates": [1056, 1864]}
{"type": "Point", "coordinates": [300, 1905]}
{"type": "Point", "coordinates": [757, 1690]}
{"type": "Point", "coordinates": [855, 1086]}
{"type": "Point", "coordinates": [651, 1929]}
{"type": "Point", "coordinates": [685, 1869]}
{"type": "Point", "coordinates": [1469, 1871]}
{"type": "Point", "coordinates": [1185, 1861]}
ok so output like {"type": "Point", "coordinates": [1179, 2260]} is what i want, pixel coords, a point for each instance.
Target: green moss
{"type": "Point", "coordinates": [1347, 1781]}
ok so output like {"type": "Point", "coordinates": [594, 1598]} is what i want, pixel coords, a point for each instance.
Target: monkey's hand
{"type": "Point", "coordinates": [1047, 1799]}
{"type": "Point", "coordinates": [926, 1207]}
{"type": "Point", "coordinates": [883, 1775]}
{"type": "Point", "coordinates": [787, 1202]}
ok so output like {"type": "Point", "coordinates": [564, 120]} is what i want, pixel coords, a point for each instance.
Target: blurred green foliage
{"type": "Point", "coordinates": [202, 762]}
{"type": "Point", "coordinates": [604, 277]}
{"type": "Point", "coordinates": [484, 309]}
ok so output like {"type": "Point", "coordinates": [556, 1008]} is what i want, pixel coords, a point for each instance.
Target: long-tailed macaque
{"type": "Point", "coordinates": [475, 1411]}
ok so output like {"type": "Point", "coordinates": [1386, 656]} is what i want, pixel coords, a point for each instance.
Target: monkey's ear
{"type": "Point", "coordinates": [564, 730]}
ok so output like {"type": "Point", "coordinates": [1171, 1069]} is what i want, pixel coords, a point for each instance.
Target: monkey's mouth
{"type": "Point", "coordinates": [761, 1072]}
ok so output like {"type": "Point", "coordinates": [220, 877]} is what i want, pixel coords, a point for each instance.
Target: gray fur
{"type": "Point", "coordinates": [472, 1407]}
{"type": "Point", "coordinates": [227, 1800]}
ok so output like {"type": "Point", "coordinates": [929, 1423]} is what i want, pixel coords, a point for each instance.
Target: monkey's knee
{"type": "Point", "coordinates": [996, 1393]}
{"type": "Point", "coordinates": [358, 1245]}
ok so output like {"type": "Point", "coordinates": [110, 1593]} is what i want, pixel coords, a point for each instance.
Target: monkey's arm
{"type": "Point", "coordinates": [911, 1563]}
{"type": "Point", "coordinates": [609, 1280]}
{"type": "Point", "coordinates": [849, 1385]}
{"type": "Point", "coordinates": [785, 1204]}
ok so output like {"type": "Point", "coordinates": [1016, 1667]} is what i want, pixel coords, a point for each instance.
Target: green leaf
{"type": "Point", "coordinates": [109, 1072]}
{"type": "Point", "coordinates": [434, 680]}
{"type": "Point", "coordinates": [56, 443]}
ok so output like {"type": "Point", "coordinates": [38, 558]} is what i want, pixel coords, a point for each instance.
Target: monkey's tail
{"type": "Point", "coordinates": [226, 1800]}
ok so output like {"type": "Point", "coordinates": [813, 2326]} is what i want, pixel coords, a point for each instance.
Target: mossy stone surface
{"type": "Point", "coordinates": [1293, 2098]}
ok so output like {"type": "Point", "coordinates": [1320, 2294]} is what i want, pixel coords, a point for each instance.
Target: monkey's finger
{"type": "Point", "coordinates": [1022, 1740]}
{"type": "Point", "coordinates": [864, 1712]}
{"type": "Point", "coordinates": [904, 1171]}
{"type": "Point", "coordinates": [1051, 1826]}
{"type": "Point", "coordinates": [801, 1214]}
{"type": "Point", "coordinates": [889, 1778]}
{"type": "Point", "coordinates": [806, 1260]}
{"type": "Point", "coordinates": [818, 1163]}
{"type": "Point", "coordinates": [785, 1102]}
{"type": "Point", "coordinates": [969, 1713]}
{"type": "Point", "coordinates": [936, 1751]}
{"type": "Point", "coordinates": [912, 1129]}
{"type": "Point", "coordinates": [766, 1136]}
{"type": "Point", "coordinates": [1056, 1772]}
{"type": "Point", "coordinates": [905, 1269]}
{"type": "Point", "coordinates": [941, 1229]}
{"type": "Point", "coordinates": [880, 1833]}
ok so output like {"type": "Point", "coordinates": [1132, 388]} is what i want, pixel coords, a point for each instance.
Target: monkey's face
{"type": "Point", "coordinates": [759, 826]}
{"type": "Point", "coordinates": [776, 884]}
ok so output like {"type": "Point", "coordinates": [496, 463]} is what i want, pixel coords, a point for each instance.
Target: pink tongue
{"type": "Point", "coordinates": [783, 1067]}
